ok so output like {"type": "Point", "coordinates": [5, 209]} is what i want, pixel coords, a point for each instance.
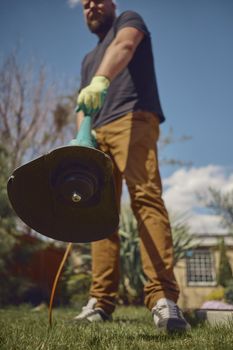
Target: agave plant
{"type": "Point", "coordinates": [132, 276]}
{"type": "Point", "coordinates": [182, 239]}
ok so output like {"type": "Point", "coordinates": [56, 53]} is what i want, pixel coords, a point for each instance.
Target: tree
{"type": "Point", "coordinates": [7, 228]}
{"type": "Point", "coordinates": [221, 204]}
{"type": "Point", "coordinates": [31, 123]}
{"type": "Point", "coordinates": [224, 271]}
{"type": "Point", "coordinates": [31, 119]}
{"type": "Point", "coordinates": [167, 140]}
{"type": "Point", "coordinates": [7, 217]}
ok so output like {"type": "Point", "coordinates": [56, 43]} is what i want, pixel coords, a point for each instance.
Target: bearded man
{"type": "Point", "coordinates": [119, 89]}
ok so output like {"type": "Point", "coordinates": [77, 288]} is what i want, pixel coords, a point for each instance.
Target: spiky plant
{"type": "Point", "coordinates": [132, 276]}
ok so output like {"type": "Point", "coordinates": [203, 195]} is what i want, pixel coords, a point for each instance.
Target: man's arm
{"type": "Point", "coordinates": [116, 58]}
{"type": "Point", "coordinates": [120, 52]}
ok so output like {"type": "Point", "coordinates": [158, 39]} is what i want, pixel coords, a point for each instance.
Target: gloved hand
{"type": "Point", "coordinates": [91, 98]}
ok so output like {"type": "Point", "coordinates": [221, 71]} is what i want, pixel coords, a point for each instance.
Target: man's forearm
{"type": "Point", "coordinates": [116, 58]}
{"type": "Point", "coordinates": [120, 52]}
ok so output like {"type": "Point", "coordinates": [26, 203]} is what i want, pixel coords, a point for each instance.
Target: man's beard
{"type": "Point", "coordinates": [102, 25]}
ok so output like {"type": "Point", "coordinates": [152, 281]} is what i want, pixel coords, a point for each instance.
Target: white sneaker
{"type": "Point", "coordinates": [92, 314]}
{"type": "Point", "coordinates": [168, 316]}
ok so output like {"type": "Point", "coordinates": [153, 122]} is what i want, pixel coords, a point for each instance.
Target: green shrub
{"type": "Point", "coordinates": [78, 288]}
{"type": "Point", "coordinates": [228, 293]}
{"type": "Point", "coordinates": [216, 294]}
{"type": "Point", "coordinates": [75, 280]}
{"type": "Point", "coordinates": [224, 272]}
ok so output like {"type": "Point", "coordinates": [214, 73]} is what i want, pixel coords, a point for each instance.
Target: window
{"type": "Point", "coordinates": [200, 268]}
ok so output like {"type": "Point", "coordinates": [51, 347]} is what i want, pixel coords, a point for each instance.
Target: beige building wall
{"type": "Point", "coordinates": [230, 256]}
{"type": "Point", "coordinates": [194, 296]}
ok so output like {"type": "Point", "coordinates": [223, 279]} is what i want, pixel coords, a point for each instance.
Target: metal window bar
{"type": "Point", "coordinates": [200, 268]}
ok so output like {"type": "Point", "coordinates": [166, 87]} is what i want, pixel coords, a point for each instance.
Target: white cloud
{"type": "Point", "coordinates": [181, 192]}
{"type": "Point", "coordinates": [73, 3]}
{"type": "Point", "coordinates": [206, 224]}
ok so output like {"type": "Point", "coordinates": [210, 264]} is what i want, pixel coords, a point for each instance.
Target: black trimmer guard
{"type": "Point", "coordinates": [67, 194]}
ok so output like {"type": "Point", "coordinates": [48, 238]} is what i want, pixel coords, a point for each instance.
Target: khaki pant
{"type": "Point", "coordinates": [131, 143]}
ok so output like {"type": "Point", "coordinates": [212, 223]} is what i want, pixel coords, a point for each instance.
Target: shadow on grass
{"type": "Point", "coordinates": [159, 337]}
{"type": "Point", "coordinates": [120, 320]}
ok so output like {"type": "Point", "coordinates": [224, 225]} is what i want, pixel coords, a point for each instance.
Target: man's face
{"type": "Point", "coordinates": [99, 15]}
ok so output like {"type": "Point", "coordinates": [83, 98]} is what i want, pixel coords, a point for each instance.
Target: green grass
{"type": "Point", "coordinates": [132, 328]}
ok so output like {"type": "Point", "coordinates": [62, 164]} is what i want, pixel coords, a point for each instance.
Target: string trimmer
{"type": "Point", "coordinates": [68, 193]}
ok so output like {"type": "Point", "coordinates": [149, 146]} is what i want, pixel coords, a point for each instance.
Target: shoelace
{"type": "Point", "coordinates": [167, 311]}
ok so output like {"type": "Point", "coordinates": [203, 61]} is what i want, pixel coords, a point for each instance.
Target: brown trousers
{"type": "Point", "coordinates": [131, 143]}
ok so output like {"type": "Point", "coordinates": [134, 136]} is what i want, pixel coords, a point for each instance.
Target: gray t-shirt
{"type": "Point", "coordinates": [135, 88]}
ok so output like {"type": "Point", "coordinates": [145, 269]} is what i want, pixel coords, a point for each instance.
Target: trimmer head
{"type": "Point", "coordinates": [67, 194]}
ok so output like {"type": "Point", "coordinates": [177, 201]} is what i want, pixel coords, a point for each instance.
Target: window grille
{"type": "Point", "coordinates": [200, 268]}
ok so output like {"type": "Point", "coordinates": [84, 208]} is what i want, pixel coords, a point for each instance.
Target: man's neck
{"type": "Point", "coordinates": [103, 34]}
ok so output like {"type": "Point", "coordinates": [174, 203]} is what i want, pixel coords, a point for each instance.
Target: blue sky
{"type": "Point", "coordinates": [193, 50]}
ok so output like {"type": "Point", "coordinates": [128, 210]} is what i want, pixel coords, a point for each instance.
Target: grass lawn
{"type": "Point", "coordinates": [132, 328]}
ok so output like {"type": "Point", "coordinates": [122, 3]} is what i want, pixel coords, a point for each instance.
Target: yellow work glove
{"type": "Point", "coordinates": [91, 98]}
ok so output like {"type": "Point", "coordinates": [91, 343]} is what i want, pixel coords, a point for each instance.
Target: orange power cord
{"type": "Point", "coordinates": [68, 249]}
